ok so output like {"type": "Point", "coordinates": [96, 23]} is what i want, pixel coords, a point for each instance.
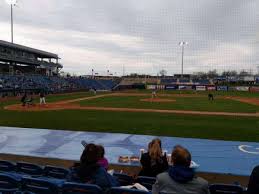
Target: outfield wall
{"type": "Point", "coordinates": [203, 88]}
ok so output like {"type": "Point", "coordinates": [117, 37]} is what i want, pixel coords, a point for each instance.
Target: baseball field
{"type": "Point", "coordinates": [230, 116]}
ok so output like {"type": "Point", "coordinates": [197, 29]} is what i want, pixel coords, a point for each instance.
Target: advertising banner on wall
{"type": "Point", "coordinates": [151, 87]}
{"type": "Point", "coordinates": [222, 88]}
{"type": "Point", "coordinates": [201, 88]}
{"type": "Point", "coordinates": [185, 87]}
{"type": "Point", "coordinates": [211, 88]}
{"type": "Point", "coordinates": [242, 88]}
{"type": "Point", "coordinates": [155, 87]}
{"type": "Point", "coordinates": [249, 78]}
{"type": "Point", "coordinates": [254, 89]}
{"type": "Point", "coordinates": [232, 88]}
{"type": "Point", "coordinates": [171, 87]}
{"type": "Point", "coordinates": [160, 87]}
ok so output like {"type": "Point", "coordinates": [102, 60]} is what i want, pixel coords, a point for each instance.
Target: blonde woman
{"type": "Point", "coordinates": [154, 161]}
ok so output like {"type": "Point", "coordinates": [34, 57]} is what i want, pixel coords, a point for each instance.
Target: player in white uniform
{"type": "Point", "coordinates": [154, 94]}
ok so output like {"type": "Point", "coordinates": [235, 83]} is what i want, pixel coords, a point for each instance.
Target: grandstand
{"type": "Point", "coordinates": [15, 58]}
{"type": "Point", "coordinates": [28, 69]}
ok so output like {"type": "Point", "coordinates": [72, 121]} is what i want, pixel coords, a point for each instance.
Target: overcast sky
{"type": "Point", "coordinates": [141, 35]}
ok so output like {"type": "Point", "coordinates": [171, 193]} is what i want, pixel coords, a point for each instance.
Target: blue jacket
{"type": "Point", "coordinates": [100, 177]}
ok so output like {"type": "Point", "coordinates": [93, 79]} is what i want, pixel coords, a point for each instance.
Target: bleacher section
{"type": "Point", "coordinates": [52, 84]}
{"type": "Point", "coordinates": [169, 81]}
{"type": "Point", "coordinates": [201, 82]}
{"type": "Point", "coordinates": [27, 178]}
{"type": "Point", "coordinates": [184, 81]}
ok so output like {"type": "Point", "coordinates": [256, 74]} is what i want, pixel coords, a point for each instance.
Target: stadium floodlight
{"type": "Point", "coordinates": [183, 44]}
{"type": "Point", "coordinates": [11, 3]}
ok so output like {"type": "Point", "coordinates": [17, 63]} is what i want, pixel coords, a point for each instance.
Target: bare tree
{"type": "Point", "coordinates": [163, 73]}
{"type": "Point", "coordinates": [212, 74]}
{"type": "Point", "coordinates": [229, 73]}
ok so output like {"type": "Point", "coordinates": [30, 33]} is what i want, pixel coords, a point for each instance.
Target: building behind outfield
{"type": "Point", "coordinates": [19, 59]}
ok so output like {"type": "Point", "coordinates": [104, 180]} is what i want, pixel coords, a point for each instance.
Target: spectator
{"type": "Point", "coordinates": [153, 162]}
{"type": "Point", "coordinates": [180, 178]}
{"type": "Point", "coordinates": [89, 171]}
{"type": "Point", "coordinates": [253, 185]}
{"type": "Point", "coordinates": [103, 162]}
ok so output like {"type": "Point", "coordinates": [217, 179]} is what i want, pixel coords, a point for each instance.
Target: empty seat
{"type": "Point", "coordinates": [56, 172]}
{"type": "Point", "coordinates": [225, 189]}
{"type": "Point", "coordinates": [6, 166]}
{"type": "Point", "coordinates": [28, 168]}
{"type": "Point", "coordinates": [9, 184]}
{"type": "Point", "coordinates": [119, 190]}
{"type": "Point", "coordinates": [123, 179]}
{"type": "Point", "coordinates": [146, 181]}
{"type": "Point", "coordinates": [78, 188]}
{"type": "Point", "coordinates": [39, 186]}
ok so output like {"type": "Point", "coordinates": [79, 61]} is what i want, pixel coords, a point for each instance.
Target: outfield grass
{"type": "Point", "coordinates": [181, 103]}
{"type": "Point", "coordinates": [200, 126]}
{"type": "Point", "coordinates": [216, 93]}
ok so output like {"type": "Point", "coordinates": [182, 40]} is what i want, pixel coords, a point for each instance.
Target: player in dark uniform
{"type": "Point", "coordinates": [23, 99]}
{"type": "Point", "coordinates": [210, 96]}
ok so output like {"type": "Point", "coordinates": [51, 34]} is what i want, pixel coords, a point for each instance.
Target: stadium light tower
{"type": "Point", "coordinates": [183, 44]}
{"type": "Point", "coordinates": [12, 3]}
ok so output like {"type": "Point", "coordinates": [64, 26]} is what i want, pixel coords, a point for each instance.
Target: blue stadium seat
{"type": "Point", "coordinates": [78, 188]}
{"type": "Point", "coordinates": [9, 184]}
{"type": "Point", "coordinates": [225, 189]}
{"type": "Point", "coordinates": [119, 190]}
{"type": "Point", "coordinates": [56, 172]}
{"type": "Point", "coordinates": [6, 166]}
{"type": "Point", "coordinates": [123, 179]}
{"type": "Point", "coordinates": [39, 186]}
{"type": "Point", "coordinates": [28, 168]}
{"type": "Point", "coordinates": [146, 181]}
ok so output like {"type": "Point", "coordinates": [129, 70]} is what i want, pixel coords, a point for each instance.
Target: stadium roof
{"type": "Point", "coordinates": [40, 53]}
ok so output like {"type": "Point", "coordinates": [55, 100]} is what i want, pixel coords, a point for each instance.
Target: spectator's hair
{"type": "Point", "coordinates": [154, 149]}
{"type": "Point", "coordinates": [88, 162]}
{"type": "Point", "coordinates": [101, 151]}
{"type": "Point", "coordinates": [90, 154]}
{"type": "Point", "coordinates": [178, 146]}
{"type": "Point", "coordinates": [181, 156]}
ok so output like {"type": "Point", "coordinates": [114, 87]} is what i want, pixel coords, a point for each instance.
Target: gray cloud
{"type": "Point", "coordinates": [142, 35]}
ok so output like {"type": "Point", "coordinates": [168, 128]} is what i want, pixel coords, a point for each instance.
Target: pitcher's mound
{"type": "Point", "coordinates": [157, 100]}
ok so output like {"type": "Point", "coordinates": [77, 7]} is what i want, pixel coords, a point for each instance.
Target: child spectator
{"type": "Point", "coordinates": [89, 171]}
{"type": "Point", "coordinates": [103, 162]}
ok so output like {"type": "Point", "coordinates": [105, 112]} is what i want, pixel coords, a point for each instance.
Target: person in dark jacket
{"type": "Point", "coordinates": [253, 185]}
{"type": "Point", "coordinates": [154, 161]}
{"type": "Point", "coordinates": [180, 178]}
{"type": "Point", "coordinates": [89, 171]}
